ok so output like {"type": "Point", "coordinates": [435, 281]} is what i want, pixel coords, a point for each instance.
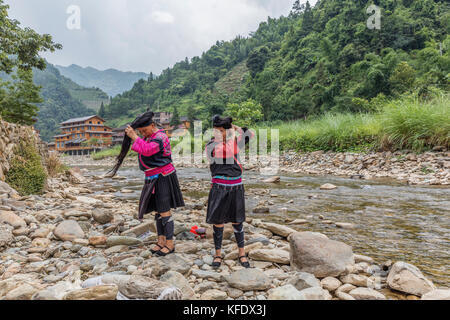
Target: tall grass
{"type": "Point", "coordinates": [415, 125]}
{"type": "Point", "coordinates": [406, 123]}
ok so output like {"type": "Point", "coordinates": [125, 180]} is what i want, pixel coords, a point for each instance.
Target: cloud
{"type": "Point", "coordinates": [142, 35]}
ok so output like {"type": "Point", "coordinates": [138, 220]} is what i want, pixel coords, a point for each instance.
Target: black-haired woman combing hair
{"type": "Point", "coordinates": [161, 191]}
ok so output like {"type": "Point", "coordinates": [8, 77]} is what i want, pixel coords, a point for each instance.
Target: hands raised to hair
{"type": "Point", "coordinates": [131, 133]}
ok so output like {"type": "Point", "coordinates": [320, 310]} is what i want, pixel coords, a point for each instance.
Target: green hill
{"type": "Point", "coordinates": [111, 81]}
{"type": "Point", "coordinates": [63, 99]}
{"type": "Point", "coordinates": [318, 59]}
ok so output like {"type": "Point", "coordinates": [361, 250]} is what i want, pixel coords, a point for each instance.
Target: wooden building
{"type": "Point", "coordinates": [83, 135]}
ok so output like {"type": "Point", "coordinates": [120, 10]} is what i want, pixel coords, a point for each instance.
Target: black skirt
{"type": "Point", "coordinates": [160, 195]}
{"type": "Point", "coordinates": [226, 204]}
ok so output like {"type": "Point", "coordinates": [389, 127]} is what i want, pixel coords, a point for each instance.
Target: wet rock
{"type": "Point", "coordinates": [272, 180]}
{"type": "Point", "coordinates": [102, 292]}
{"type": "Point", "coordinates": [360, 258]}
{"type": "Point", "coordinates": [249, 279]}
{"type": "Point", "coordinates": [315, 253]}
{"type": "Point", "coordinates": [121, 240]}
{"type": "Point", "coordinates": [328, 186]}
{"type": "Point", "coordinates": [176, 279]}
{"type": "Point", "coordinates": [68, 230]}
{"type": "Point", "coordinates": [214, 294]}
{"type": "Point", "coordinates": [102, 216]}
{"type": "Point", "coordinates": [271, 255]}
{"type": "Point", "coordinates": [345, 225]}
{"type": "Point", "coordinates": [405, 277]}
{"type": "Point", "coordinates": [261, 209]}
{"type": "Point", "coordinates": [287, 292]}
{"type": "Point", "coordinates": [12, 219]}
{"type": "Point", "coordinates": [438, 294]}
{"type": "Point", "coordinates": [299, 221]}
{"type": "Point", "coordinates": [304, 280]}
{"type": "Point", "coordinates": [330, 283]}
{"type": "Point", "coordinates": [366, 294]}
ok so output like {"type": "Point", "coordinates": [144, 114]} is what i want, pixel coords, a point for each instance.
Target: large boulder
{"type": "Point", "coordinates": [270, 255]}
{"type": "Point", "coordinates": [249, 279]}
{"type": "Point", "coordinates": [68, 230]}
{"type": "Point", "coordinates": [315, 253]}
{"type": "Point", "coordinates": [407, 278]}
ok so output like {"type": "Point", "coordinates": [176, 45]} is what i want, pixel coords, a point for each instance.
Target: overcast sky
{"type": "Point", "coordinates": [142, 35]}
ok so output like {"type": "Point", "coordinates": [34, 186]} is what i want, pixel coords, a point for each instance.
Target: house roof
{"type": "Point", "coordinates": [80, 119]}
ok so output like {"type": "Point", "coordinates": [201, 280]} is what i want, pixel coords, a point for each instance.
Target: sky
{"type": "Point", "coordinates": [140, 35]}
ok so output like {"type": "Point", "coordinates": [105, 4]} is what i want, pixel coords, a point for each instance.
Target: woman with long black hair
{"type": "Point", "coordinates": [161, 191]}
{"type": "Point", "coordinates": [226, 201]}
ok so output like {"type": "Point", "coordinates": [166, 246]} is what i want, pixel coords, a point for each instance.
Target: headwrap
{"type": "Point", "coordinates": [220, 122]}
{"type": "Point", "coordinates": [143, 120]}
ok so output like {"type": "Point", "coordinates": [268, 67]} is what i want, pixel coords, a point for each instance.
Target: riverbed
{"type": "Point", "coordinates": [390, 220]}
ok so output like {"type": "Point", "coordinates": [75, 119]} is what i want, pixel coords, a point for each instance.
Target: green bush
{"type": "Point", "coordinates": [26, 174]}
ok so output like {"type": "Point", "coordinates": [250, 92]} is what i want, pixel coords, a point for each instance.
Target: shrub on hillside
{"type": "Point", "coordinates": [26, 174]}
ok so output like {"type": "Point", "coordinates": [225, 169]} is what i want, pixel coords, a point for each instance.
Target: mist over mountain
{"type": "Point", "coordinates": [112, 81]}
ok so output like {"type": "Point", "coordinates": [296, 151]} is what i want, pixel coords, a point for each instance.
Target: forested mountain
{"type": "Point", "coordinates": [61, 100]}
{"type": "Point", "coordinates": [315, 60]}
{"type": "Point", "coordinates": [111, 81]}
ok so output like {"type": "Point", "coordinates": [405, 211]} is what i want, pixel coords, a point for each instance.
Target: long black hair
{"type": "Point", "coordinates": [220, 122]}
{"type": "Point", "coordinates": [143, 120]}
{"type": "Point", "coordinates": [227, 123]}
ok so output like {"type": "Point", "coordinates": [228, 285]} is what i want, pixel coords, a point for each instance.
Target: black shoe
{"type": "Point", "coordinates": [155, 251]}
{"type": "Point", "coordinates": [245, 264]}
{"type": "Point", "coordinates": [163, 254]}
{"type": "Point", "coordinates": [217, 265]}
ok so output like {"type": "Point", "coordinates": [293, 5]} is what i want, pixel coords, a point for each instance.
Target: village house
{"type": "Point", "coordinates": [82, 136]}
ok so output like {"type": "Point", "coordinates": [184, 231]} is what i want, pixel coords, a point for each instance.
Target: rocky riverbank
{"type": "Point", "coordinates": [71, 243]}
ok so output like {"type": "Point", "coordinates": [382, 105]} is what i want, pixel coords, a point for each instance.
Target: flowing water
{"type": "Point", "coordinates": [392, 220]}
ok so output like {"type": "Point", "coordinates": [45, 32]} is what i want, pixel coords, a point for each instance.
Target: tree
{"type": "Point", "coordinates": [19, 54]}
{"type": "Point", "coordinates": [403, 78]}
{"type": "Point", "coordinates": [297, 8]}
{"type": "Point", "coordinates": [101, 112]}
{"type": "Point", "coordinates": [175, 118]}
{"type": "Point", "coordinates": [245, 114]}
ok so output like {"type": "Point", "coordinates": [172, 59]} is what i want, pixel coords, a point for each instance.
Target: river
{"type": "Point", "coordinates": [392, 221]}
